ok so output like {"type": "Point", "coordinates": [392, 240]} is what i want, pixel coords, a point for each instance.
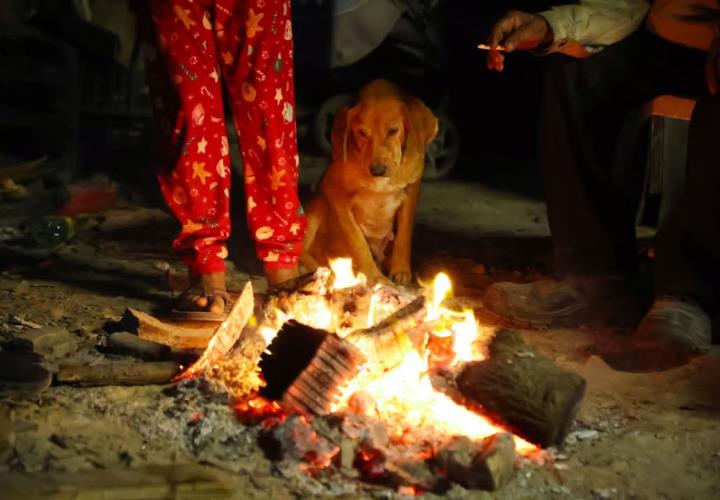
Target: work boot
{"type": "Point", "coordinates": [21, 373]}
{"type": "Point", "coordinates": [678, 324]}
{"type": "Point", "coordinates": [566, 304]}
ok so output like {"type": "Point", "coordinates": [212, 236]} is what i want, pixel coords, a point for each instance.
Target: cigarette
{"type": "Point", "coordinates": [482, 46]}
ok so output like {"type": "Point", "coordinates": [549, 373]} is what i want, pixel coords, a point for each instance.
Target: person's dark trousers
{"type": "Point", "coordinates": [591, 209]}
{"type": "Point", "coordinates": [688, 246]}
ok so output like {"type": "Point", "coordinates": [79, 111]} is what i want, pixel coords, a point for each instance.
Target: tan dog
{"type": "Point", "coordinates": [367, 198]}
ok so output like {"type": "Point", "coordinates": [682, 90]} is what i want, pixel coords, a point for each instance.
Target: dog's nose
{"type": "Point", "coordinates": [378, 169]}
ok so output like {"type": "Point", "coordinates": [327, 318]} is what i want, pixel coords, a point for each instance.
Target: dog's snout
{"type": "Point", "coordinates": [378, 169]}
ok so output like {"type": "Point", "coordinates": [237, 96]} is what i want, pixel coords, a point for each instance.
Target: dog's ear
{"type": "Point", "coordinates": [421, 126]}
{"type": "Point", "coordinates": [340, 132]}
{"type": "Point", "coordinates": [423, 123]}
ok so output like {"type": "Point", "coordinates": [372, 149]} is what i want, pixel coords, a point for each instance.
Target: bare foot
{"type": "Point", "coordinates": [207, 292]}
{"type": "Point", "coordinates": [280, 275]}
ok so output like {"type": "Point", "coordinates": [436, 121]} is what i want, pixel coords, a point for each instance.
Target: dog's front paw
{"type": "Point", "coordinates": [403, 278]}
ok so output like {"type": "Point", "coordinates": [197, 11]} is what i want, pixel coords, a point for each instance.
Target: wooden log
{"type": "Point", "coordinates": [176, 335]}
{"type": "Point", "coordinates": [226, 334]}
{"type": "Point", "coordinates": [387, 343]}
{"type": "Point", "coordinates": [126, 373]}
{"type": "Point", "coordinates": [526, 391]}
{"type": "Point", "coordinates": [128, 344]}
{"type": "Point", "coordinates": [305, 368]}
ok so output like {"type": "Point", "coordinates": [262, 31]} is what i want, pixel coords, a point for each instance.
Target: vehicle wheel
{"type": "Point", "coordinates": [442, 154]}
{"type": "Point", "coordinates": [323, 122]}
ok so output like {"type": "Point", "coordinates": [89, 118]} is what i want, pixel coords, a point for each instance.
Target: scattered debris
{"type": "Point", "coordinates": [53, 341]}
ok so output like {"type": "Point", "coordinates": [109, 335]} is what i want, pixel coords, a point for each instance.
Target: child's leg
{"type": "Point", "coordinates": [194, 162]}
{"type": "Point", "coordinates": [254, 40]}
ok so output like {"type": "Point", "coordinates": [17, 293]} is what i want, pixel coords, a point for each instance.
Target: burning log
{"type": "Point", "coordinates": [537, 399]}
{"type": "Point", "coordinates": [151, 373]}
{"type": "Point", "coordinates": [485, 466]}
{"type": "Point", "coordinates": [388, 342]}
{"type": "Point", "coordinates": [226, 335]}
{"type": "Point", "coordinates": [306, 368]}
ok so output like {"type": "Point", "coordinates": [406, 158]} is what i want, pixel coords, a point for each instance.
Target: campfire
{"type": "Point", "coordinates": [401, 387]}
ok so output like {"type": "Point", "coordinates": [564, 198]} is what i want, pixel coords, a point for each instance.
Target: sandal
{"type": "Point", "coordinates": [210, 293]}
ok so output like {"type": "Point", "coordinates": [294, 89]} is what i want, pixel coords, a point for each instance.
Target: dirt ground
{"type": "Point", "coordinates": [639, 434]}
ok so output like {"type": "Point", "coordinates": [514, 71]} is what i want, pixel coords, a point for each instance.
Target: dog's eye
{"type": "Point", "coordinates": [363, 132]}
{"type": "Point", "coordinates": [393, 131]}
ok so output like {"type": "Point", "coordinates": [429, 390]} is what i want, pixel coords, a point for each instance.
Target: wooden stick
{"type": "Point", "coordinates": [125, 373]}
{"type": "Point", "coordinates": [499, 48]}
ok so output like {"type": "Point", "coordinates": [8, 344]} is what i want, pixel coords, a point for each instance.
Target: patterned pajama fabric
{"type": "Point", "coordinates": [247, 45]}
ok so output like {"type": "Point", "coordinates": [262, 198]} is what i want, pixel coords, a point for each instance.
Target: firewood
{"type": "Point", "coordinates": [526, 391]}
{"type": "Point", "coordinates": [175, 335]}
{"type": "Point", "coordinates": [126, 373]}
{"type": "Point", "coordinates": [387, 343]}
{"type": "Point", "coordinates": [306, 368]}
{"type": "Point", "coordinates": [226, 334]}
{"type": "Point", "coordinates": [128, 344]}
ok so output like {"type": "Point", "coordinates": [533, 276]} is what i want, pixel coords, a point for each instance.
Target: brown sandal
{"type": "Point", "coordinates": [200, 290]}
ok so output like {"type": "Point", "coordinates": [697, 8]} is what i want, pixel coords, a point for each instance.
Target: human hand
{"type": "Point", "coordinates": [517, 30]}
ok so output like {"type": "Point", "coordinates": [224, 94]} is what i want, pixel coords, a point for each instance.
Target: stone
{"type": "Point", "coordinates": [486, 465]}
{"type": "Point", "coordinates": [52, 341]}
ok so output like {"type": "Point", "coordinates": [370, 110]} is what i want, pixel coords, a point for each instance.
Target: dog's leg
{"type": "Point", "coordinates": [315, 215]}
{"type": "Point", "coordinates": [400, 271]}
{"type": "Point", "coordinates": [360, 251]}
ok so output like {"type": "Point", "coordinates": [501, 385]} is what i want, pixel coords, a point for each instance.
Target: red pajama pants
{"type": "Point", "coordinates": [247, 45]}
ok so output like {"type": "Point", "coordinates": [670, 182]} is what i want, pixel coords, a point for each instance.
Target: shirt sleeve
{"type": "Point", "coordinates": [593, 24]}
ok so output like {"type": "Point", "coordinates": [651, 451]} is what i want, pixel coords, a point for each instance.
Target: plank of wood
{"type": "Point", "coordinates": [184, 335]}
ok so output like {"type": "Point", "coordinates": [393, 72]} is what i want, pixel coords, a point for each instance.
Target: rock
{"type": "Point", "coordinates": [57, 312]}
{"type": "Point", "coordinates": [22, 288]}
{"type": "Point", "coordinates": [487, 465]}
{"type": "Point", "coordinates": [51, 340]}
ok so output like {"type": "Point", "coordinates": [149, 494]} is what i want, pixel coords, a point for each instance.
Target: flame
{"type": "Point", "coordinates": [441, 289]}
{"type": "Point", "coordinates": [344, 275]}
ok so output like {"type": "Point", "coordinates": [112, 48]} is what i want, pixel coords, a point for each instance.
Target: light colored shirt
{"type": "Point", "coordinates": [582, 29]}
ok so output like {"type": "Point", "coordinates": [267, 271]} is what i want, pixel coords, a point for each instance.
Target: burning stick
{"type": "Point", "coordinates": [499, 48]}
{"type": "Point", "coordinates": [388, 342]}
{"type": "Point", "coordinates": [226, 335]}
{"type": "Point", "coordinates": [306, 368]}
